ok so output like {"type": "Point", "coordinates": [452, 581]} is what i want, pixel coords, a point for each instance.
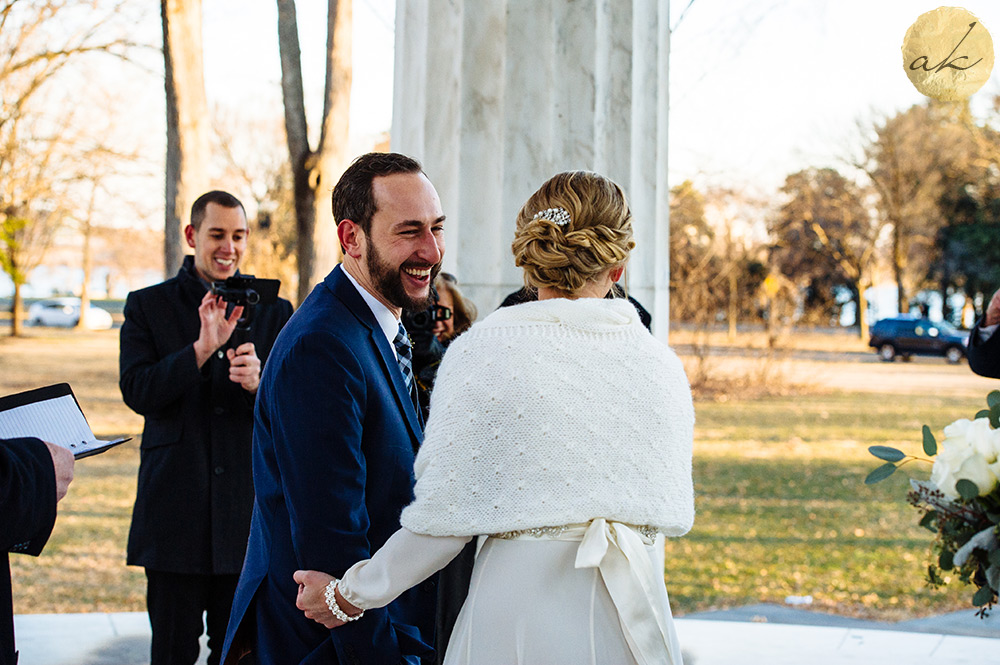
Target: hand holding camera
{"type": "Point", "coordinates": [246, 291]}
{"type": "Point", "coordinates": [244, 366]}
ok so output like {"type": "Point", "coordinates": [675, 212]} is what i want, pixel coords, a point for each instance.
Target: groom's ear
{"type": "Point", "coordinates": [351, 238]}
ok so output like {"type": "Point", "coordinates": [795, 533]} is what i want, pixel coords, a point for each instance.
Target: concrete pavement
{"type": "Point", "coordinates": [752, 635]}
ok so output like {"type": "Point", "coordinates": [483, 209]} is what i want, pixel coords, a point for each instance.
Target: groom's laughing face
{"type": "Point", "coordinates": [404, 248]}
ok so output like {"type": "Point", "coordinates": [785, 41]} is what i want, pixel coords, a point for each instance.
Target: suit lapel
{"type": "Point", "coordinates": [348, 294]}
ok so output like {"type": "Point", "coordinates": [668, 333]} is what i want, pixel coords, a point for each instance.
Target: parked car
{"type": "Point", "coordinates": [65, 312]}
{"type": "Point", "coordinates": [905, 336]}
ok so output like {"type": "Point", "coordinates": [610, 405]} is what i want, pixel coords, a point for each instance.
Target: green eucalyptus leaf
{"type": "Point", "coordinates": [995, 417]}
{"type": "Point", "coordinates": [995, 558]}
{"type": "Point", "coordinates": [881, 473]}
{"type": "Point", "coordinates": [993, 398]}
{"type": "Point", "coordinates": [887, 453]}
{"type": "Point", "coordinates": [967, 489]}
{"type": "Point", "coordinates": [927, 521]}
{"type": "Point", "coordinates": [993, 577]}
{"type": "Point", "coordinates": [930, 443]}
{"type": "Point", "coordinates": [984, 413]}
{"type": "Point", "coordinates": [947, 560]}
{"type": "Point", "coordinates": [983, 596]}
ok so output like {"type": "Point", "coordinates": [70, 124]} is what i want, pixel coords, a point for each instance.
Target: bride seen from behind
{"type": "Point", "coordinates": [560, 434]}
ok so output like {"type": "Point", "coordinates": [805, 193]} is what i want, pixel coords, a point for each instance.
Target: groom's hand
{"type": "Point", "coordinates": [311, 598]}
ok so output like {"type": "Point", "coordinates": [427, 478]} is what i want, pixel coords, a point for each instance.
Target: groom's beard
{"type": "Point", "coordinates": [389, 282]}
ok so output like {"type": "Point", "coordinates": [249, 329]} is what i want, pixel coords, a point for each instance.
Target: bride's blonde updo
{"type": "Point", "coordinates": [563, 254]}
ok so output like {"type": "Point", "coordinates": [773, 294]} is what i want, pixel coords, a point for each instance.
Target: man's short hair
{"type": "Point", "coordinates": [218, 197]}
{"type": "Point", "coordinates": [353, 197]}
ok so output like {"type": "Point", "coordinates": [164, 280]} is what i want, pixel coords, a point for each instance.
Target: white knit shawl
{"type": "Point", "coordinates": [556, 412]}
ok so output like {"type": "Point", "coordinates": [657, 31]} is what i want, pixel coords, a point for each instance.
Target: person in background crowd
{"type": "Point", "coordinates": [463, 310]}
{"type": "Point", "coordinates": [186, 368]}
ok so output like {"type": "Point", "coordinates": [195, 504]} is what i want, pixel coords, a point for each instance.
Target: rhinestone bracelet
{"type": "Point", "coordinates": [331, 601]}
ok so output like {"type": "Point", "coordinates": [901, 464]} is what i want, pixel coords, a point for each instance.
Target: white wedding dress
{"type": "Point", "coordinates": [590, 595]}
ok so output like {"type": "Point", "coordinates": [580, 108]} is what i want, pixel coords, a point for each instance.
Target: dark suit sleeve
{"type": "Point", "coordinates": [984, 357]}
{"type": "Point", "coordinates": [151, 384]}
{"type": "Point", "coordinates": [27, 495]}
{"type": "Point", "coordinates": [318, 412]}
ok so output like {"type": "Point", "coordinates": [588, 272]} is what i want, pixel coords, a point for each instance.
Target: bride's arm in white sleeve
{"type": "Point", "coordinates": [406, 559]}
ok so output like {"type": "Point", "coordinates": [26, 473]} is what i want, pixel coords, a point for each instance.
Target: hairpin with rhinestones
{"type": "Point", "coordinates": [558, 216]}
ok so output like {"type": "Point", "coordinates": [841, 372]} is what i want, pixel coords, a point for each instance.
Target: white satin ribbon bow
{"type": "Point", "coordinates": [637, 592]}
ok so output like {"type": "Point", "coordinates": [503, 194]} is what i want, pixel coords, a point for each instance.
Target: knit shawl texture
{"type": "Point", "coordinates": [556, 412]}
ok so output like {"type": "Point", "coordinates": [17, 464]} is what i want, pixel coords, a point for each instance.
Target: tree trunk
{"type": "Point", "coordinates": [899, 268]}
{"type": "Point", "coordinates": [17, 311]}
{"type": "Point", "coordinates": [187, 122]}
{"type": "Point", "coordinates": [88, 269]}
{"type": "Point", "coordinates": [296, 135]}
{"type": "Point", "coordinates": [862, 310]}
{"type": "Point", "coordinates": [733, 302]}
{"type": "Point", "coordinates": [315, 173]}
{"type": "Point", "coordinates": [331, 158]}
{"type": "Point", "coordinates": [88, 259]}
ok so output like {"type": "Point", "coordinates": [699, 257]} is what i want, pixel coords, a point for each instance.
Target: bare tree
{"type": "Point", "coordinates": [827, 221]}
{"type": "Point", "coordinates": [95, 166]}
{"type": "Point", "coordinates": [734, 213]}
{"type": "Point", "coordinates": [31, 209]}
{"type": "Point", "coordinates": [908, 158]}
{"type": "Point", "coordinates": [314, 171]}
{"type": "Point", "coordinates": [187, 122]}
{"type": "Point", "coordinates": [252, 155]}
{"type": "Point", "coordinates": [38, 39]}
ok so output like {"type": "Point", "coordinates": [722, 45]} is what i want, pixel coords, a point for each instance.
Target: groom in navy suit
{"type": "Point", "coordinates": [336, 431]}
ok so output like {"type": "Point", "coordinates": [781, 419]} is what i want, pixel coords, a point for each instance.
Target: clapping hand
{"type": "Point", "coordinates": [216, 327]}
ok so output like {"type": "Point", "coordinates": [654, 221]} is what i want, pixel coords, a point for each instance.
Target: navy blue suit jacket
{"type": "Point", "coordinates": [335, 434]}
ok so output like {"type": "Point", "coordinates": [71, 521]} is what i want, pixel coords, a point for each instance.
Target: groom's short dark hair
{"type": "Point", "coordinates": [353, 197]}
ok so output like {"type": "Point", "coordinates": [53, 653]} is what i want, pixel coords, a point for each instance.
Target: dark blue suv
{"type": "Point", "coordinates": [905, 336]}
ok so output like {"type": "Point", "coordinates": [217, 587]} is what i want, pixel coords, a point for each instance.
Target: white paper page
{"type": "Point", "coordinates": [58, 420]}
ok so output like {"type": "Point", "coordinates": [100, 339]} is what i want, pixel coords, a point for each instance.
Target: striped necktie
{"type": "Point", "coordinates": [405, 357]}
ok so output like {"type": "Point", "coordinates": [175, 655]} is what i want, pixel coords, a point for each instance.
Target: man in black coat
{"type": "Point", "coordinates": [984, 343]}
{"type": "Point", "coordinates": [187, 368]}
{"type": "Point", "coordinates": [33, 476]}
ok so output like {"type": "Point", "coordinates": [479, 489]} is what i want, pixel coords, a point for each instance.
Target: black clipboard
{"type": "Point", "coordinates": [51, 414]}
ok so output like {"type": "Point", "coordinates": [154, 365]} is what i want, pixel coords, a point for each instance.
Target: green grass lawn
{"type": "Point", "coordinates": [782, 508]}
{"type": "Point", "coordinates": [781, 505]}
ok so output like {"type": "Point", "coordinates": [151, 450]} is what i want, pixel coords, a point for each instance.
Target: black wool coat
{"type": "Point", "coordinates": [27, 513]}
{"type": "Point", "coordinates": [984, 357]}
{"type": "Point", "coordinates": [195, 490]}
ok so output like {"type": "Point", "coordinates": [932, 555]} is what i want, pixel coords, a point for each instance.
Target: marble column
{"type": "Point", "coordinates": [495, 96]}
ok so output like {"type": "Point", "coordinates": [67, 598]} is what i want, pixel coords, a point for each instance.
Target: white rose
{"type": "Point", "coordinates": [983, 438]}
{"type": "Point", "coordinates": [969, 451]}
{"type": "Point", "coordinates": [956, 436]}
